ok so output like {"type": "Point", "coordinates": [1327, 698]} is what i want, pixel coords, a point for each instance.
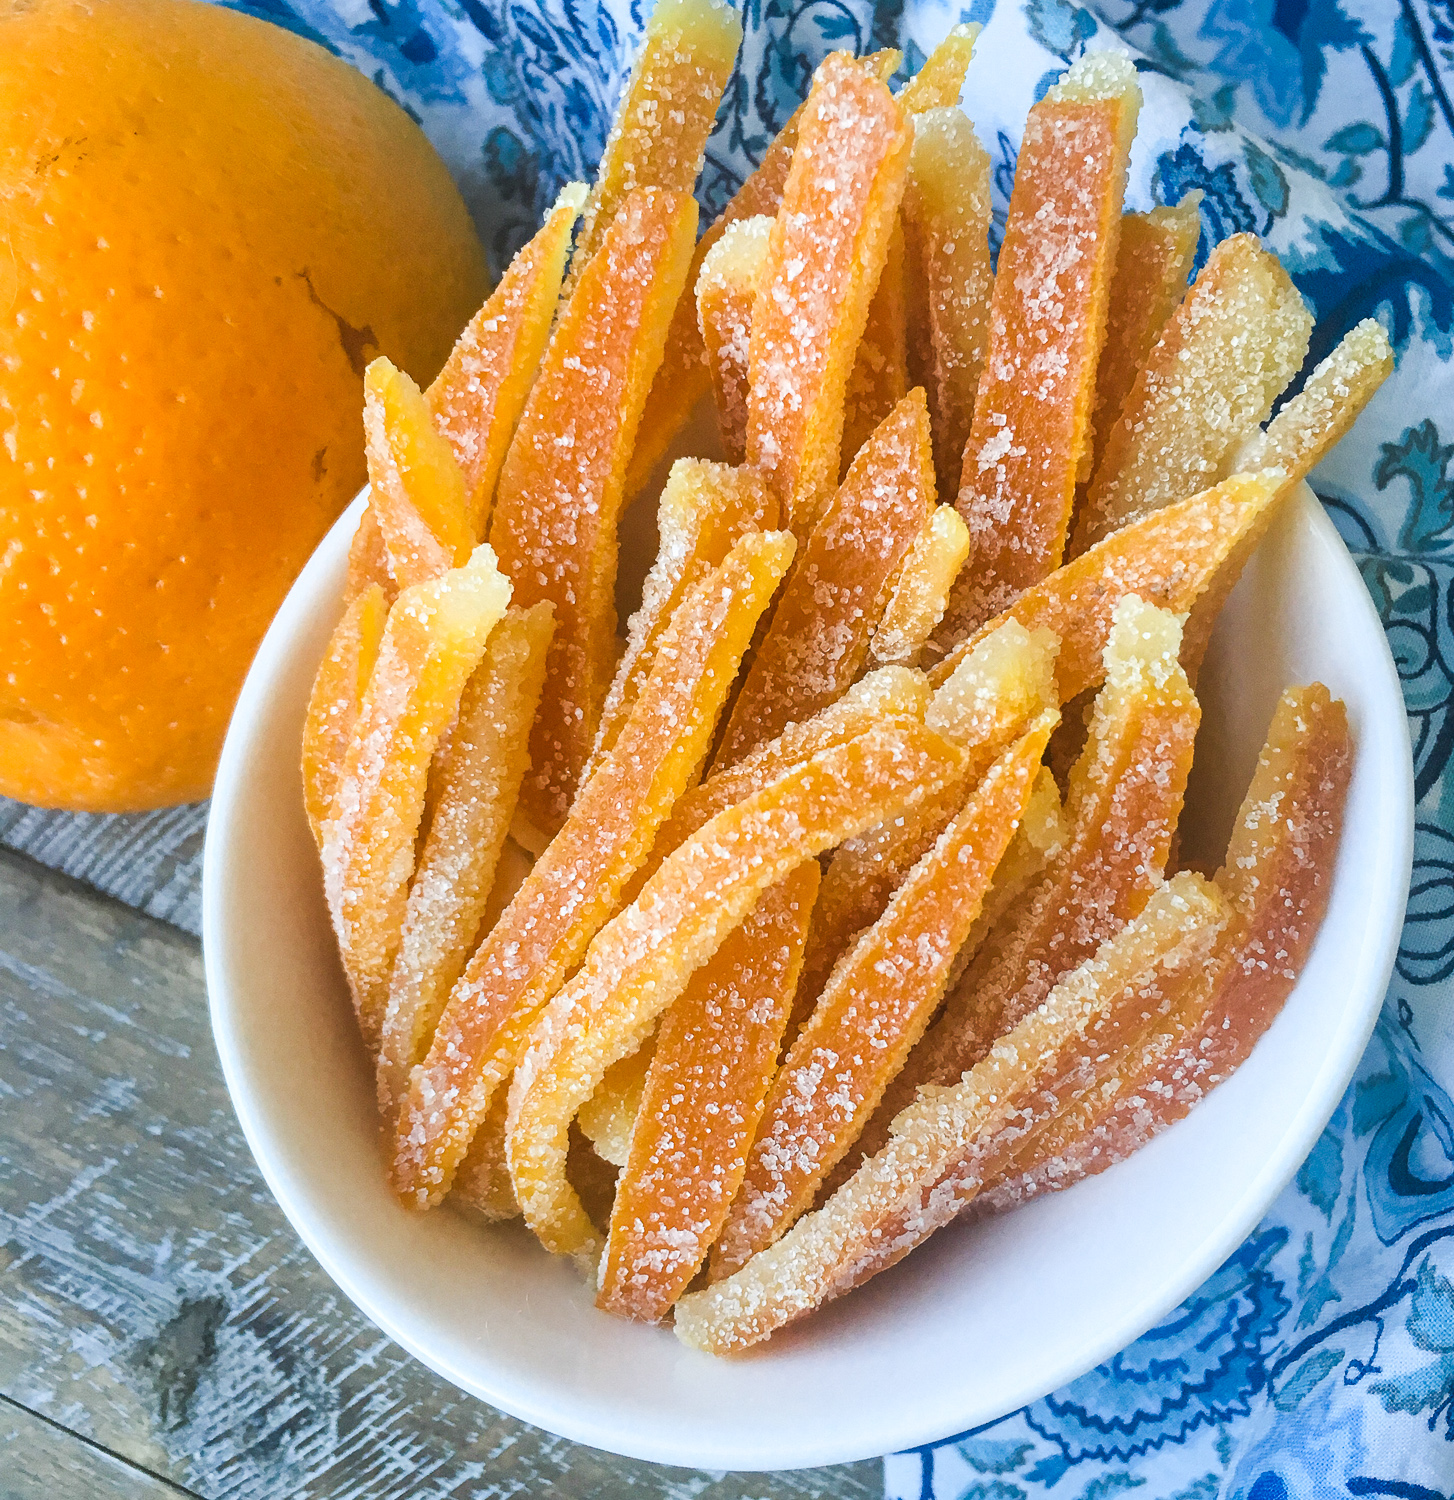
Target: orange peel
{"type": "Point", "coordinates": [714, 1061]}
{"type": "Point", "coordinates": [560, 490]}
{"type": "Point", "coordinates": [879, 379]}
{"type": "Point", "coordinates": [682, 381]}
{"type": "Point", "coordinates": [817, 643]}
{"type": "Point", "coordinates": [333, 705]}
{"type": "Point", "coordinates": [642, 960]}
{"type": "Point", "coordinates": [433, 641]}
{"type": "Point", "coordinates": [948, 278]}
{"type": "Point", "coordinates": [1153, 261]}
{"type": "Point", "coordinates": [1228, 351]}
{"type": "Point", "coordinates": [705, 509]}
{"type": "Point", "coordinates": [921, 591]}
{"type": "Point", "coordinates": [945, 1145]}
{"type": "Point", "coordinates": [1031, 430]}
{"type": "Point", "coordinates": [477, 398]}
{"type": "Point", "coordinates": [827, 250]}
{"type": "Point", "coordinates": [659, 133]}
{"type": "Point", "coordinates": [874, 1008]}
{"type": "Point", "coordinates": [940, 81]}
{"type": "Point", "coordinates": [726, 293]}
{"type": "Point", "coordinates": [574, 885]}
{"type": "Point", "coordinates": [417, 492]}
{"type": "Point", "coordinates": [479, 784]}
{"type": "Point", "coordinates": [1168, 559]}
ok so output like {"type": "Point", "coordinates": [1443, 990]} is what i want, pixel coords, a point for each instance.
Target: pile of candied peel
{"type": "Point", "coordinates": [846, 894]}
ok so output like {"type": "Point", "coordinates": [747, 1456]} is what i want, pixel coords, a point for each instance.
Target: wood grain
{"type": "Point", "coordinates": [153, 1300]}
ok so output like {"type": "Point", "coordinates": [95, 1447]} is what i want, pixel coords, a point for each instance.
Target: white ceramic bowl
{"type": "Point", "coordinates": [982, 1319]}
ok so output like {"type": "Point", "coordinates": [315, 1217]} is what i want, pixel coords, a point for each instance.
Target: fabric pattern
{"type": "Point", "coordinates": [1319, 1360]}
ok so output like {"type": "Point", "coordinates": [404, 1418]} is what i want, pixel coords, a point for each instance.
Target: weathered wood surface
{"type": "Point", "coordinates": [155, 1305]}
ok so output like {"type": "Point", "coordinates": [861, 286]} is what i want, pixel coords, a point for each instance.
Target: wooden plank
{"type": "Point", "coordinates": [152, 1297]}
{"type": "Point", "coordinates": [40, 1461]}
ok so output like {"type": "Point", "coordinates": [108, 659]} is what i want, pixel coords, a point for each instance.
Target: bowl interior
{"type": "Point", "coordinates": [986, 1316]}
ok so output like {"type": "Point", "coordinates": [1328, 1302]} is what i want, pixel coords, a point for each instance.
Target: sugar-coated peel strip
{"type": "Point", "coordinates": [1153, 261]}
{"type": "Point", "coordinates": [892, 697]}
{"type": "Point", "coordinates": [560, 491]}
{"type": "Point", "coordinates": [1121, 810]}
{"type": "Point", "coordinates": [368, 560]}
{"type": "Point", "coordinates": [574, 885]}
{"type": "Point", "coordinates": [682, 381]}
{"type": "Point", "coordinates": [433, 641]}
{"type": "Point", "coordinates": [1032, 410]}
{"type": "Point", "coordinates": [477, 398]}
{"type": "Point", "coordinates": [456, 868]}
{"type": "Point", "coordinates": [714, 1061]}
{"type": "Point", "coordinates": [705, 509]}
{"type": "Point", "coordinates": [726, 293]}
{"type": "Point", "coordinates": [828, 247]}
{"type": "Point", "coordinates": [1297, 439]}
{"type": "Point", "coordinates": [1305, 431]}
{"type": "Point", "coordinates": [874, 1008]}
{"type": "Point", "coordinates": [817, 643]}
{"type": "Point", "coordinates": [879, 379]}
{"type": "Point", "coordinates": [921, 590]}
{"type": "Point", "coordinates": [1168, 559]}
{"type": "Point", "coordinates": [1007, 681]}
{"type": "Point", "coordinates": [1228, 351]}
{"type": "Point", "coordinates": [1277, 877]}
{"type": "Point", "coordinates": [659, 133]}
{"type": "Point", "coordinates": [641, 961]}
{"type": "Point", "coordinates": [417, 487]}
{"type": "Point", "coordinates": [940, 81]}
{"type": "Point", "coordinates": [951, 1139]}
{"type": "Point", "coordinates": [607, 1117]}
{"type": "Point", "coordinates": [946, 217]}
{"type": "Point", "coordinates": [338, 691]}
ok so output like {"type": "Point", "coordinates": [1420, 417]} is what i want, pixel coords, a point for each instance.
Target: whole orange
{"type": "Point", "coordinates": [208, 227]}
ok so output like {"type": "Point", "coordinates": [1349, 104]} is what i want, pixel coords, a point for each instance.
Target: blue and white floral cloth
{"type": "Point", "coordinates": [1319, 1360]}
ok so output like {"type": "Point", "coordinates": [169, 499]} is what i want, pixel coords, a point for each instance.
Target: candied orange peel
{"type": "Point", "coordinates": [561, 487]}
{"type": "Point", "coordinates": [946, 1144]}
{"type": "Point", "coordinates": [1153, 260]}
{"type": "Point", "coordinates": [714, 1060]}
{"type": "Point", "coordinates": [948, 278]}
{"type": "Point", "coordinates": [479, 782]}
{"type": "Point", "coordinates": [333, 705]}
{"type": "Point", "coordinates": [940, 81]}
{"type": "Point", "coordinates": [433, 640]}
{"type": "Point", "coordinates": [417, 489]}
{"type": "Point", "coordinates": [874, 1008]}
{"type": "Point", "coordinates": [705, 509]}
{"type": "Point", "coordinates": [1031, 429]}
{"type": "Point", "coordinates": [726, 294]}
{"type": "Point", "coordinates": [477, 398]}
{"type": "Point", "coordinates": [879, 379]}
{"type": "Point", "coordinates": [921, 590]}
{"type": "Point", "coordinates": [659, 134]}
{"type": "Point", "coordinates": [642, 960]}
{"type": "Point", "coordinates": [1225, 356]}
{"type": "Point", "coordinates": [682, 381]}
{"type": "Point", "coordinates": [827, 250]}
{"type": "Point", "coordinates": [573, 886]}
{"type": "Point", "coordinates": [817, 643]}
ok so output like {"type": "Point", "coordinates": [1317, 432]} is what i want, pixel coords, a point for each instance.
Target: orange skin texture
{"type": "Point", "coordinates": [190, 191]}
{"type": "Point", "coordinates": [715, 1057]}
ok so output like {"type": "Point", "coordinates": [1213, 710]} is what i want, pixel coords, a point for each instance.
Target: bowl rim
{"type": "Point", "coordinates": [565, 1419]}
